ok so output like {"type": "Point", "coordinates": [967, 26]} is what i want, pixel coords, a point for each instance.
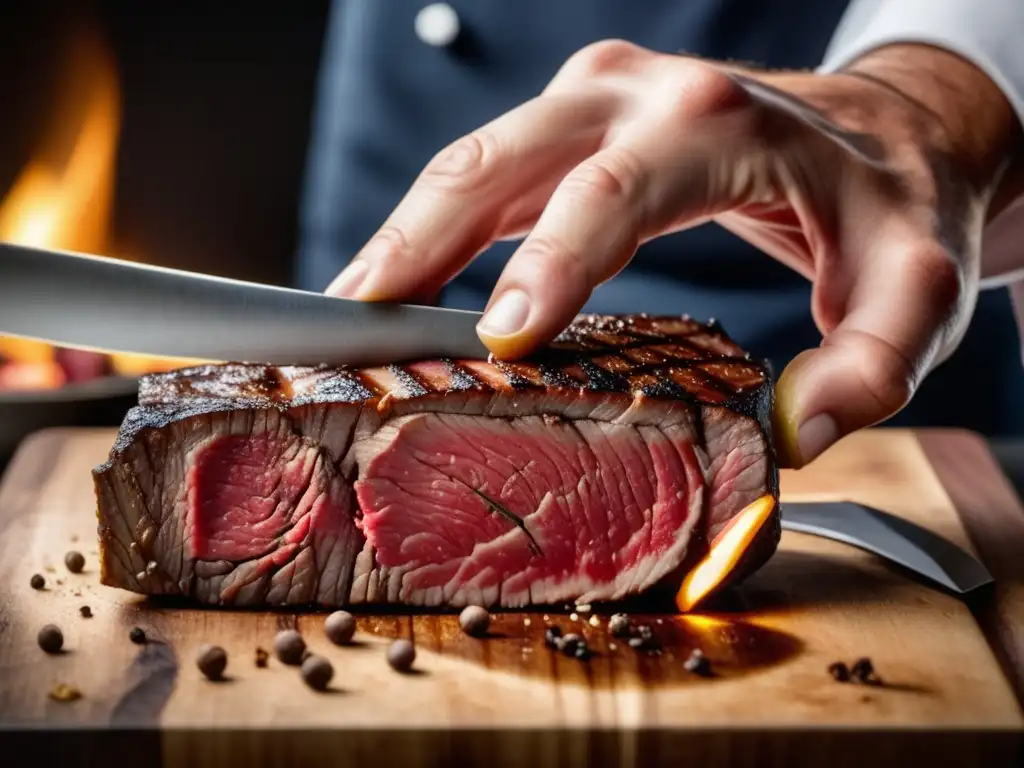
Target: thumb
{"type": "Point", "coordinates": [900, 315]}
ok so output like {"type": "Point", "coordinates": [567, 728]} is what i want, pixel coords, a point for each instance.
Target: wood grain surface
{"type": "Point", "coordinates": [506, 699]}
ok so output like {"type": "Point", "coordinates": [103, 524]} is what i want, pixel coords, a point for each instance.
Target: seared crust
{"type": "Point", "coordinates": [636, 356]}
{"type": "Point", "coordinates": [623, 359]}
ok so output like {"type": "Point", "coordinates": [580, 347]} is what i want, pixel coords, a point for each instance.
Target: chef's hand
{"type": "Point", "coordinates": [874, 184]}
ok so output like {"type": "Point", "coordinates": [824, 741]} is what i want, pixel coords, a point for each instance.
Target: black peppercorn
{"type": "Point", "coordinates": [570, 643]}
{"type": "Point", "coordinates": [74, 561]}
{"type": "Point", "coordinates": [37, 581]}
{"type": "Point", "coordinates": [289, 647]}
{"type": "Point", "coordinates": [474, 620]}
{"type": "Point", "coordinates": [86, 612]}
{"type": "Point", "coordinates": [212, 661]}
{"type": "Point", "coordinates": [839, 672]}
{"type": "Point", "coordinates": [401, 655]}
{"type": "Point", "coordinates": [50, 638]}
{"type": "Point", "coordinates": [863, 671]}
{"type": "Point", "coordinates": [317, 672]}
{"type": "Point", "coordinates": [618, 625]}
{"type": "Point", "coordinates": [137, 636]}
{"type": "Point", "coordinates": [340, 627]}
{"type": "Point", "coordinates": [551, 636]}
{"type": "Point", "coordinates": [698, 663]}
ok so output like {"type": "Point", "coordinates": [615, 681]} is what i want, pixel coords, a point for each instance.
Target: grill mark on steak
{"type": "Point", "coordinates": [651, 373]}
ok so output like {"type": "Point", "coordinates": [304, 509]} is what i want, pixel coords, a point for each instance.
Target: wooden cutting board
{"type": "Point", "coordinates": [507, 699]}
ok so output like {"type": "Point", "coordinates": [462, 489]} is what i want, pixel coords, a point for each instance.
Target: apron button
{"type": "Point", "coordinates": [437, 24]}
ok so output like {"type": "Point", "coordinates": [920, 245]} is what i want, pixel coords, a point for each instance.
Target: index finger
{"type": "Point", "coordinates": [485, 186]}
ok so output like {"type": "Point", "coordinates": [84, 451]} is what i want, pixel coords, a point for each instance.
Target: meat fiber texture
{"type": "Point", "coordinates": [595, 470]}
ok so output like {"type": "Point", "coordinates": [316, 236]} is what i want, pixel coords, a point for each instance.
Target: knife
{"type": "Point", "coordinates": [93, 302]}
{"type": "Point", "coordinates": [893, 538]}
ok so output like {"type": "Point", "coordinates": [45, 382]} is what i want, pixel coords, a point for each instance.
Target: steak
{"type": "Point", "coordinates": [596, 469]}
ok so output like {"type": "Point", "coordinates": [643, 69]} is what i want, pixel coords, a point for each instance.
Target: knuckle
{"type": "Point", "coordinates": [892, 385]}
{"type": "Point", "coordinates": [941, 274]}
{"type": "Point", "coordinates": [464, 165]}
{"type": "Point", "coordinates": [548, 256]}
{"type": "Point", "coordinates": [603, 57]}
{"type": "Point", "coordinates": [704, 91]}
{"type": "Point", "coordinates": [614, 177]}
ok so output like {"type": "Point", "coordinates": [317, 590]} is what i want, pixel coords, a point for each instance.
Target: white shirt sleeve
{"type": "Point", "coordinates": [989, 34]}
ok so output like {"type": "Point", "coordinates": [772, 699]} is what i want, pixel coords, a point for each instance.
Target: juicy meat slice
{"type": "Point", "coordinates": [595, 470]}
{"type": "Point", "coordinates": [476, 510]}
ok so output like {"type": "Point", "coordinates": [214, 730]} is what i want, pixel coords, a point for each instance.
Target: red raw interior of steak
{"type": "Point", "coordinates": [593, 471]}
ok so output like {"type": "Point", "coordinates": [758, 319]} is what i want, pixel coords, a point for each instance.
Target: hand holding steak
{"type": "Point", "coordinates": [594, 470]}
{"type": "Point", "coordinates": [874, 183]}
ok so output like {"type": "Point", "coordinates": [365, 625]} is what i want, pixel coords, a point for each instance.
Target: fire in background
{"type": "Point", "coordinates": [62, 199]}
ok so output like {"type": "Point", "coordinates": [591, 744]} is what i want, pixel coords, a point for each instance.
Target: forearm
{"type": "Point", "coordinates": [974, 121]}
{"type": "Point", "coordinates": [980, 43]}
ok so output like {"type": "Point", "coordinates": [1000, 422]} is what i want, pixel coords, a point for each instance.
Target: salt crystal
{"type": "Point", "coordinates": [584, 608]}
{"type": "Point", "coordinates": [574, 617]}
{"type": "Point", "coordinates": [594, 621]}
{"type": "Point", "coordinates": [612, 646]}
{"type": "Point", "coordinates": [526, 622]}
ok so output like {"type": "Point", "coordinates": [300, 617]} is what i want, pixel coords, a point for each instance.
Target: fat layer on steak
{"type": "Point", "coordinates": [595, 470]}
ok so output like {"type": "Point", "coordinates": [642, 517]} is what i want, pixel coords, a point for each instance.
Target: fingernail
{"type": "Point", "coordinates": [507, 316]}
{"type": "Point", "coordinates": [348, 282]}
{"type": "Point", "coordinates": [816, 435]}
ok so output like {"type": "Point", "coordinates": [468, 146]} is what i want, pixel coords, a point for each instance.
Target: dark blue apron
{"type": "Point", "coordinates": [388, 102]}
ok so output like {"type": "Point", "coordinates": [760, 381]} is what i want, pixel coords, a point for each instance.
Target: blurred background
{"type": "Point", "coordinates": [173, 133]}
{"type": "Point", "coordinates": [100, 100]}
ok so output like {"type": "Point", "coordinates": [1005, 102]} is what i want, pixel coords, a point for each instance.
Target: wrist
{"type": "Point", "coordinates": [974, 128]}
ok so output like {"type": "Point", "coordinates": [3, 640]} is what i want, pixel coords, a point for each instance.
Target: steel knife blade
{"type": "Point", "coordinates": [890, 537]}
{"type": "Point", "coordinates": [92, 302]}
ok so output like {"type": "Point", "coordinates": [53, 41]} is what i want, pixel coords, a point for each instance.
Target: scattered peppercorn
{"type": "Point", "coordinates": [289, 646]}
{"type": "Point", "coordinates": [551, 636]}
{"type": "Point", "coordinates": [317, 672]}
{"type": "Point", "coordinates": [401, 655]}
{"type": "Point", "coordinates": [86, 612]}
{"type": "Point", "coordinates": [863, 671]}
{"type": "Point", "coordinates": [645, 632]}
{"type": "Point", "coordinates": [64, 692]}
{"type": "Point", "coordinates": [261, 657]}
{"type": "Point", "coordinates": [698, 663]}
{"type": "Point", "coordinates": [74, 561]}
{"type": "Point", "coordinates": [619, 625]}
{"type": "Point", "coordinates": [50, 638]}
{"type": "Point", "coordinates": [839, 671]}
{"type": "Point", "coordinates": [37, 581]}
{"type": "Point", "coordinates": [570, 643]}
{"type": "Point", "coordinates": [582, 651]}
{"type": "Point", "coordinates": [474, 620]}
{"type": "Point", "coordinates": [137, 636]}
{"type": "Point", "coordinates": [212, 660]}
{"type": "Point", "coordinates": [340, 627]}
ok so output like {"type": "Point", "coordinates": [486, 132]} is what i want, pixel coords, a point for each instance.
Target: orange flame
{"type": "Point", "coordinates": [63, 197]}
{"type": "Point", "coordinates": [725, 553]}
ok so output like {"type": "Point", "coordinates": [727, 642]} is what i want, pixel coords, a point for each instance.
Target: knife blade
{"type": "Point", "coordinates": [890, 537]}
{"type": "Point", "coordinates": [93, 302]}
